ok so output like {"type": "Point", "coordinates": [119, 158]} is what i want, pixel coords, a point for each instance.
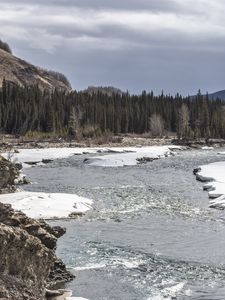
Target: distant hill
{"type": "Point", "coordinates": [217, 95]}
{"type": "Point", "coordinates": [22, 73]}
{"type": "Point", "coordinates": [213, 96]}
{"type": "Point", "coordinates": [108, 90]}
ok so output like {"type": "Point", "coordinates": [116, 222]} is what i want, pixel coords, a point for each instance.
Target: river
{"type": "Point", "coordinates": [150, 234]}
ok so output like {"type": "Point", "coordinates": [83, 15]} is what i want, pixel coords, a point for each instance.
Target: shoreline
{"type": "Point", "coordinates": [9, 141]}
{"type": "Point", "coordinates": [213, 177]}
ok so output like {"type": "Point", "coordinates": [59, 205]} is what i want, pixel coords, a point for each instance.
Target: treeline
{"type": "Point", "coordinates": [4, 46]}
{"type": "Point", "coordinates": [81, 114]}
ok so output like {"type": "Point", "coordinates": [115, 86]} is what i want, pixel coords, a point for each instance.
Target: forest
{"type": "Point", "coordinates": [30, 110]}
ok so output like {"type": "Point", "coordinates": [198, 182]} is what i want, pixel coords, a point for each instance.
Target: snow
{"type": "Point", "coordinates": [67, 295]}
{"type": "Point", "coordinates": [131, 155]}
{"type": "Point", "coordinates": [47, 205]}
{"type": "Point", "coordinates": [214, 172]}
{"type": "Point", "coordinates": [207, 148]}
{"type": "Point", "coordinates": [36, 156]}
{"type": "Point", "coordinates": [59, 205]}
{"type": "Point", "coordinates": [119, 156]}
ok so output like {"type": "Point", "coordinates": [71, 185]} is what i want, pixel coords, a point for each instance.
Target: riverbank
{"type": "Point", "coordinates": [9, 143]}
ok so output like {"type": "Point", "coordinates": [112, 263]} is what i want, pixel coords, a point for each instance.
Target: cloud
{"type": "Point", "coordinates": [146, 37]}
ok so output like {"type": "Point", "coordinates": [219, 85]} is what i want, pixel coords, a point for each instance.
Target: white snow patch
{"type": "Point", "coordinates": [169, 293]}
{"type": "Point", "coordinates": [47, 205]}
{"type": "Point", "coordinates": [215, 172]}
{"type": "Point", "coordinates": [119, 156]}
{"type": "Point", "coordinates": [173, 290]}
{"type": "Point", "coordinates": [221, 153]}
{"type": "Point", "coordinates": [26, 156]}
{"type": "Point", "coordinates": [132, 155]}
{"type": "Point", "coordinates": [207, 148]}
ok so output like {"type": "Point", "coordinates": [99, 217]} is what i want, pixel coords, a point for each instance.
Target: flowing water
{"type": "Point", "coordinates": [150, 234]}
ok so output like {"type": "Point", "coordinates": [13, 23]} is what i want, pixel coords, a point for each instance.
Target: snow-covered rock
{"type": "Point", "coordinates": [215, 173]}
{"type": "Point", "coordinates": [47, 205]}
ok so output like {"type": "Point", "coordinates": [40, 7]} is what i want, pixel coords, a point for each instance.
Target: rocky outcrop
{"type": "Point", "coordinates": [17, 71]}
{"type": "Point", "coordinates": [8, 174]}
{"type": "Point", "coordinates": [28, 263]}
{"type": "Point", "coordinates": [27, 256]}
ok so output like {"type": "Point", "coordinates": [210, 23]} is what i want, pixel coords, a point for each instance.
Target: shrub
{"type": "Point", "coordinates": [4, 46]}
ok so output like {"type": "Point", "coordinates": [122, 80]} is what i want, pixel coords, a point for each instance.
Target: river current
{"type": "Point", "coordinates": [150, 234]}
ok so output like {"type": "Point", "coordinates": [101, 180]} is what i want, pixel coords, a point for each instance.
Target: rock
{"type": "Point", "coordinates": [31, 163]}
{"type": "Point", "coordinates": [18, 166]}
{"type": "Point", "coordinates": [196, 170]}
{"type": "Point", "coordinates": [53, 293]}
{"type": "Point", "coordinates": [22, 179]}
{"type": "Point", "coordinates": [47, 161]}
{"type": "Point", "coordinates": [27, 256]}
{"type": "Point", "coordinates": [203, 179]}
{"type": "Point", "coordinates": [8, 174]}
{"type": "Point", "coordinates": [144, 160]}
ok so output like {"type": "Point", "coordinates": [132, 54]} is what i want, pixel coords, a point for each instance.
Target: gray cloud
{"type": "Point", "coordinates": [156, 5]}
{"type": "Point", "coordinates": [175, 45]}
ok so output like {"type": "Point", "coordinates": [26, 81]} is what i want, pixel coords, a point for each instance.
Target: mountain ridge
{"type": "Point", "coordinates": [22, 73]}
{"type": "Point", "coordinates": [217, 95]}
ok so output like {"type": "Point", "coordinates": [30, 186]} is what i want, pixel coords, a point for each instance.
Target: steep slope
{"type": "Point", "coordinates": [19, 72]}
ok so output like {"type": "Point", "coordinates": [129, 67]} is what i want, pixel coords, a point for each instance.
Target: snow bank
{"type": "Point", "coordinates": [215, 173]}
{"type": "Point", "coordinates": [221, 153]}
{"type": "Point", "coordinates": [119, 156]}
{"type": "Point", "coordinates": [132, 156]}
{"type": "Point", "coordinates": [207, 148]}
{"type": "Point", "coordinates": [47, 205]}
{"type": "Point", "coordinates": [29, 157]}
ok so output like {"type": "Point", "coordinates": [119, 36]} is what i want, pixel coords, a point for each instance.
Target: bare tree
{"type": "Point", "coordinates": [183, 121]}
{"type": "Point", "coordinates": [73, 123]}
{"type": "Point", "coordinates": [156, 125]}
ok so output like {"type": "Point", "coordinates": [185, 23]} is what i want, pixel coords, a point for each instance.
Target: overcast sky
{"type": "Point", "coordinates": [174, 45]}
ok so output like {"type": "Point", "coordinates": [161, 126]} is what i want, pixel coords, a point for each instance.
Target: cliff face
{"type": "Point", "coordinates": [8, 174]}
{"type": "Point", "coordinates": [19, 72]}
{"type": "Point", "coordinates": [24, 265]}
{"type": "Point", "coordinates": [27, 256]}
{"type": "Point", "coordinates": [27, 253]}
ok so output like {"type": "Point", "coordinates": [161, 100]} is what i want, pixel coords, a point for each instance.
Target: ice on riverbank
{"type": "Point", "coordinates": [132, 156]}
{"type": "Point", "coordinates": [118, 156]}
{"type": "Point", "coordinates": [215, 173]}
{"type": "Point", "coordinates": [207, 148]}
{"type": "Point", "coordinates": [67, 295]}
{"type": "Point", "coordinates": [47, 205]}
{"type": "Point", "coordinates": [29, 157]}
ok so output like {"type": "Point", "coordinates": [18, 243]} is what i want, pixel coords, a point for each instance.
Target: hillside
{"type": "Point", "coordinates": [22, 73]}
{"type": "Point", "coordinates": [219, 95]}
